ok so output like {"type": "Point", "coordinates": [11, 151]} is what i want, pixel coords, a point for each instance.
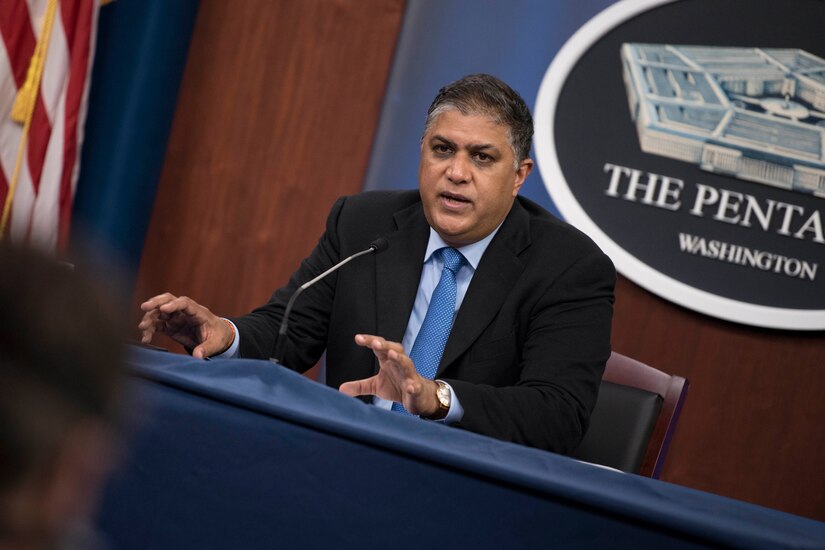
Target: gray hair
{"type": "Point", "coordinates": [484, 94]}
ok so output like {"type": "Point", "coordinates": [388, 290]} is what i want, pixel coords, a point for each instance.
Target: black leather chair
{"type": "Point", "coordinates": [635, 417]}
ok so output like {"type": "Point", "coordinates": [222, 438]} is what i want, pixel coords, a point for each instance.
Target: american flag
{"type": "Point", "coordinates": [48, 47]}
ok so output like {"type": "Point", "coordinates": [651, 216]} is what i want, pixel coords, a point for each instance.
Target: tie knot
{"type": "Point", "coordinates": [453, 259]}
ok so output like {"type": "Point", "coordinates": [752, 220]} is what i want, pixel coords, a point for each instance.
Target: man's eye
{"type": "Point", "coordinates": [483, 157]}
{"type": "Point", "coordinates": [441, 149]}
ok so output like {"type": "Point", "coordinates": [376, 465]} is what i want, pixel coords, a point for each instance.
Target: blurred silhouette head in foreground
{"type": "Point", "coordinates": [60, 373]}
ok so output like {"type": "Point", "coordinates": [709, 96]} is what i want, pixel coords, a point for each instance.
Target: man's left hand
{"type": "Point", "coordinates": [397, 380]}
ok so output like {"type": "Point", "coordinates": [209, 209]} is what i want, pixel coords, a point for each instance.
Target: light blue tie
{"type": "Point", "coordinates": [432, 337]}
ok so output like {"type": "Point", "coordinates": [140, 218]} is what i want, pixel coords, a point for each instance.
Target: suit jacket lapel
{"type": "Point", "coordinates": [497, 272]}
{"type": "Point", "coordinates": [398, 270]}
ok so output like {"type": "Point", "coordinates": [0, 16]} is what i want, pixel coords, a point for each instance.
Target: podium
{"type": "Point", "coordinates": [247, 454]}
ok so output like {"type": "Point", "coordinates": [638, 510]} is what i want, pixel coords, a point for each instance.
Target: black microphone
{"type": "Point", "coordinates": [378, 245]}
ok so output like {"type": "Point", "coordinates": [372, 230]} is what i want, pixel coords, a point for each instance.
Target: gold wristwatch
{"type": "Point", "coordinates": [442, 394]}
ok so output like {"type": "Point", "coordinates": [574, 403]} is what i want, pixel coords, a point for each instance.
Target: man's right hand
{"type": "Point", "coordinates": [186, 322]}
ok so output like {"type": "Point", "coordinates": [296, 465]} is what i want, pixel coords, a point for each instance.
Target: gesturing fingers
{"type": "Point", "coordinates": [181, 318]}
{"type": "Point", "coordinates": [397, 375]}
{"type": "Point", "coordinates": [157, 301]}
{"type": "Point", "coordinates": [397, 379]}
{"type": "Point", "coordinates": [149, 324]}
{"type": "Point", "coordinates": [380, 346]}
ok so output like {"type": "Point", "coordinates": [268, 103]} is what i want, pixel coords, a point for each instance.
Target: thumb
{"type": "Point", "coordinates": [214, 339]}
{"type": "Point", "coordinates": [205, 349]}
{"type": "Point", "coordinates": [356, 387]}
{"type": "Point", "coordinates": [199, 352]}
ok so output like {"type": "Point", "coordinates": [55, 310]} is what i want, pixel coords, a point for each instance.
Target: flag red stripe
{"type": "Point", "coordinates": [4, 190]}
{"type": "Point", "coordinates": [18, 36]}
{"type": "Point", "coordinates": [19, 41]}
{"type": "Point", "coordinates": [73, 13]}
{"type": "Point", "coordinates": [77, 16]}
{"type": "Point", "coordinates": [40, 132]}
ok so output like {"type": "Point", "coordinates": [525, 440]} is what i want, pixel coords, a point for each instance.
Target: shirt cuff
{"type": "Point", "coordinates": [456, 412]}
{"type": "Point", "coordinates": [232, 351]}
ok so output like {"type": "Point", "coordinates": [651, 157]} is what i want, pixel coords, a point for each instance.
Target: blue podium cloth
{"type": "Point", "coordinates": [247, 454]}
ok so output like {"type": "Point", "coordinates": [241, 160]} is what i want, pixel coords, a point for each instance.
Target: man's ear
{"type": "Point", "coordinates": [523, 170]}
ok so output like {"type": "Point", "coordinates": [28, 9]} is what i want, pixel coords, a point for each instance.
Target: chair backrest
{"type": "Point", "coordinates": [635, 417]}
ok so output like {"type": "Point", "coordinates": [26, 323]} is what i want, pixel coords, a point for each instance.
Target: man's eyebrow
{"type": "Point", "coordinates": [471, 147]}
{"type": "Point", "coordinates": [439, 137]}
{"type": "Point", "coordinates": [482, 146]}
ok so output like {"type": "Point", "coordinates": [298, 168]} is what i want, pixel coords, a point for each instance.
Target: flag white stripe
{"type": "Point", "coordinates": [56, 69]}
{"type": "Point", "coordinates": [45, 212]}
{"type": "Point", "coordinates": [10, 131]}
{"type": "Point", "coordinates": [37, 10]}
{"type": "Point", "coordinates": [21, 208]}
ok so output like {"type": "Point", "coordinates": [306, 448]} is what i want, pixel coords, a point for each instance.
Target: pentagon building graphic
{"type": "Point", "coordinates": [754, 114]}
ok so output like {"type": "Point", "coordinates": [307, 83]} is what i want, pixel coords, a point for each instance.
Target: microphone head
{"type": "Point", "coordinates": [379, 245]}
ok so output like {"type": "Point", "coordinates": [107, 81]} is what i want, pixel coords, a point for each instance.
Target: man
{"type": "Point", "coordinates": [60, 369]}
{"type": "Point", "coordinates": [521, 360]}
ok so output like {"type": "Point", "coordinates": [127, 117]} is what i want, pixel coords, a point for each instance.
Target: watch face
{"type": "Point", "coordinates": [443, 394]}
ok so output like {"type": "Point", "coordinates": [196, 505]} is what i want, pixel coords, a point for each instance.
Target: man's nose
{"type": "Point", "coordinates": [459, 169]}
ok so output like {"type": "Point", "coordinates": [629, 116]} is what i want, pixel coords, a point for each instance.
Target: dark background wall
{"type": "Point", "coordinates": [276, 116]}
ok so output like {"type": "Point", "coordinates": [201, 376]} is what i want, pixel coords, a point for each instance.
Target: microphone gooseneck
{"type": "Point", "coordinates": [378, 245]}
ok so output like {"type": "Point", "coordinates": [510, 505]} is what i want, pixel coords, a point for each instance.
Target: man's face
{"type": "Point", "coordinates": [467, 177]}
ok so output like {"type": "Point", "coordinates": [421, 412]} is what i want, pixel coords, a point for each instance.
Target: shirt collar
{"type": "Point", "coordinates": [471, 252]}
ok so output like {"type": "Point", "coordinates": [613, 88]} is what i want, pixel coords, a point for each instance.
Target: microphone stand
{"type": "Point", "coordinates": [378, 245]}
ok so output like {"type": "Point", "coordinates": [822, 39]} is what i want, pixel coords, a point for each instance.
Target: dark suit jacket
{"type": "Point", "coordinates": [529, 344]}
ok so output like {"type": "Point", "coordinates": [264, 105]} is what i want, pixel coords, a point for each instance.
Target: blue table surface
{"type": "Point", "coordinates": [273, 390]}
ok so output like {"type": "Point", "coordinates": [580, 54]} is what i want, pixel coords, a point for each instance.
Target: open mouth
{"type": "Point", "coordinates": [452, 200]}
